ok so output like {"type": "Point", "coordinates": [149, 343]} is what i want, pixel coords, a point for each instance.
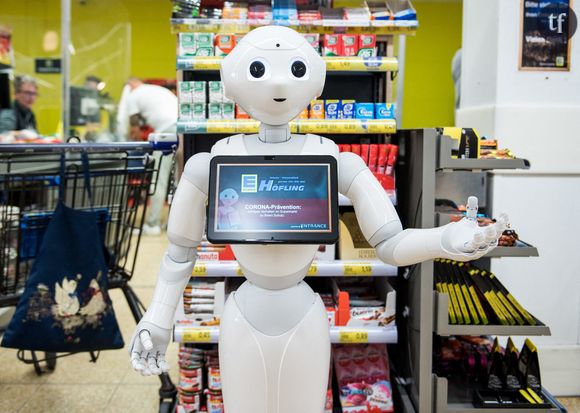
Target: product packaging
{"type": "Point", "coordinates": [392, 160]}
{"type": "Point", "coordinates": [367, 45]}
{"type": "Point", "coordinates": [204, 44]}
{"type": "Point", "coordinates": [364, 110]}
{"type": "Point", "coordinates": [185, 111]}
{"type": "Point", "coordinates": [347, 109]}
{"type": "Point", "coordinates": [350, 44]}
{"type": "Point", "coordinates": [529, 366]}
{"type": "Point", "coordinates": [511, 366]}
{"type": "Point", "coordinates": [215, 91]}
{"type": "Point", "coordinates": [384, 110]}
{"type": "Point", "coordinates": [382, 159]}
{"type": "Point", "coordinates": [355, 148]}
{"type": "Point", "coordinates": [364, 153]}
{"type": "Point", "coordinates": [496, 376]}
{"type": "Point", "coordinates": [186, 44]}
{"type": "Point", "coordinates": [214, 110]}
{"type": "Point", "coordinates": [332, 45]}
{"type": "Point", "coordinates": [373, 156]}
{"type": "Point", "coordinates": [224, 44]}
{"type": "Point", "coordinates": [198, 111]}
{"type": "Point", "coordinates": [228, 111]}
{"type": "Point", "coordinates": [331, 108]}
{"type": "Point", "coordinates": [317, 109]}
{"type": "Point", "coordinates": [303, 114]}
{"type": "Point", "coordinates": [185, 92]}
{"type": "Point", "coordinates": [314, 40]}
{"type": "Point", "coordinates": [241, 113]}
{"type": "Point", "coordinates": [198, 92]}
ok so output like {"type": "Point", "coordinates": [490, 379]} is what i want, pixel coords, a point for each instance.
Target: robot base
{"type": "Point", "coordinates": [285, 373]}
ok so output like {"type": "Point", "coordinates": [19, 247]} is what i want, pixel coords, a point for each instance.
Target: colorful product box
{"type": "Point", "coordinates": [385, 110]}
{"type": "Point", "coordinates": [187, 46]}
{"type": "Point", "coordinates": [198, 110]}
{"type": "Point", "coordinates": [331, 108]}
{"type": "Point", "coordinates": [303, 114]}
{"type": "Point", "coordinates": [347, 109]}
{"type": "Point", "coordinates": [185, 92]}
{"type": "Point", "coordinates": [313, 39]}
{"type": "Point", "coordinates": [214, 110]}
{"type": "Point", "coordinates": [332, 45]}
{"type": "Point", "coordinates": [364, 110]}
{"type": "Point", "coordinates": [228, 111]}
{"type": "Point", "coordinates": [198, 93]}
{"type": "Point", "coordinates": [215, 91]}
{"type": "Point", "coordinates": [204, 44]}
{"type": "Point", "coordinates": [241, 113]}
{"type": "Point", "coordinates": [317, 109]}
{"type": "Point", "coordinates": [350, 45]}
{"type": "Point", "coordinates": [367, 45]}
{"type": "Point", "coordinates": [224, 44]}
{"type": "Point", "coordinates": [185, 111]}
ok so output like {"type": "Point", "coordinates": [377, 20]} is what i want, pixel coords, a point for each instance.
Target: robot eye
{"type": "Point", "coordinates": [257, 69]}
{"type": "Point", "coordinates": [298, 69]}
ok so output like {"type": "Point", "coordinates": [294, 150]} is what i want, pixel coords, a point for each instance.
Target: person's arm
{"type": "Point", "coordinates": [7, 120]}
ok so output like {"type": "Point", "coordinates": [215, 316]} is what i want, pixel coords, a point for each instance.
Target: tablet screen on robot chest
{"type": "Point", "coordinates": [273, 199]}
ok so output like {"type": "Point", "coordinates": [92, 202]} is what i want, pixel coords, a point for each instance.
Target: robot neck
{"type": "Point", "coordinates": [274, 133]}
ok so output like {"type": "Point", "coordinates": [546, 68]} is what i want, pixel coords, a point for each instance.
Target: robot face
{"type": "Point", "coordinates": [273, 74]}
{"type": "Point", "coordinates": [228, 197]}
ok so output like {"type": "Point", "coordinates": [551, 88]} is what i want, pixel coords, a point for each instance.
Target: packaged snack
{"type": "Point", "coordinates": [241, 113]}
{"type": "Point", "coordinates": [373, 156]}
{"type": "Point", "coordinates": [224, 44]}
{"type": "Point", "coordinates": [215, 91]}
{"type": "Point", "coordinates": [317, 109]}
{"type": "Point", "coordinates": [198, 110]}
{"type": "Point", "coordinates": [496, 376]}
{"type": "Point", "coordinates": [228, 111]}
{"type": "Point", "coordinates": [186, 44]}
{"type": "Point", "coordinates": [384, 110]}
{"type": "Point", "coordinates": [303, 114]}
{"type": "Point", "coordinates": [331, 108]}
{"type": "Point", "coordinates": [367, 45]}
{"type": "Point", "coordinates": [364, 153]}
{"type": "Point", "coordinates": [350, 44]}
{"type": "Point", "coordinates": [355, 148]}
{"type": "Point", "coordinates": [314, 40]}
{"type": "Point", "coordinates": [204, 44]}
{"type": "Point", "coordinates": [198, 92]}
{"type": "Point", "coordinates": [214, 110]}
{"type": "Point", "coordinates": [529, 366]}
{"type": "Point", "coordinates": [185, 92]}
{"type": "Point", "coordinates": [185, 111]}
{"type": "Point", "coordinates": [347, 109]}
{"type": "Point", "coordinates": [511, 366]}
{"type": "Point", "coordinates": [365, 110]}
{"type": "Point", "coordinates": [382, 159]}
{"type": "Point", "coordinates": [332, 45]}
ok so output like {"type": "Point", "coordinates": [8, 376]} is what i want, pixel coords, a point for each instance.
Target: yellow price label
{"type": "Point", "coordinates": [199, 269]}
{"type": "Point", "coordinates": [220, 126]}
{"type": "Point", "coordinates": [351, 337]}
{"type": "Point", "coordinates": [195, 335]}
{"type": "Point", "coordinates": [247, 126]}
{"type": "Point", "coordinates": [313, 270]}
{"type": "Point", "coordinates": [358, 268]}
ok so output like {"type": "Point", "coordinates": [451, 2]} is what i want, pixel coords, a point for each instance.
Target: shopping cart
{"type": "Point", "coordinates": [122, 178]}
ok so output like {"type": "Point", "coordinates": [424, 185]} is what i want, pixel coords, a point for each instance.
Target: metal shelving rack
{"type": "Point", "coordinates": [425, 154]}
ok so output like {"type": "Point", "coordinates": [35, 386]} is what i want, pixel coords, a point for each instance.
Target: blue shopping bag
{"type": "Point", "coordinates": [65, 306]}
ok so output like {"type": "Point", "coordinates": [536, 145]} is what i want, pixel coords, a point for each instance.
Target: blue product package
{"type": "Point", "coordinates": [385, 110]}
{"type": "Point", "coordinates": [365, 110]}
{"type": "Point", "coordinates": [331, 108]}
{"type": "Point", "coordinates": [346, 110]}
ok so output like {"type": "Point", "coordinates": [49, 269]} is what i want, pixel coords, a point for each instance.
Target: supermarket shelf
{"type": "Point", "coordinates": [449, 399]}
{"type": "Point", "coordinates": [443, 328]}
{"type": "Point", "coordinates": [327, 126]}
{"type": "Point", "coordinates": [184, 332]}
{"type": "Point", "coordinates": [336, 268]}
{"type": "Point", "coordinates": [333, 64]}
{"type": "Point", "coordinates": [445, 162]}
{"type": "Point", "coordinates": [406, 27]}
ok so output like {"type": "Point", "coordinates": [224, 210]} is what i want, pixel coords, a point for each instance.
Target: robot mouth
{"type": "Point", "coordinates": [280, 99]}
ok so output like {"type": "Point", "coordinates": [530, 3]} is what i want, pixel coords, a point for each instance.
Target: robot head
{"type": "Point", "coordinates": [228, 197]}
{"type": "Point", "coordinates": [273, 74]}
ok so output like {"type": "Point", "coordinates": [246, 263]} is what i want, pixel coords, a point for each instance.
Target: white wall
{"type": "Point", "coordinates": [537, 116]}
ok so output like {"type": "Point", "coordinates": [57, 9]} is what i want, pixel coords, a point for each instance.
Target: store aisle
{"type": "Point", "coordinates": [109, 385]}
{"type": "Point", "coordinates": [78, 385]}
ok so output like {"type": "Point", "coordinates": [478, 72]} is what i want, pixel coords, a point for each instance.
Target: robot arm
{"type": "Point", "coordinates": [380, 224]}
{"type": "Point", "coordinates": [184, 230]}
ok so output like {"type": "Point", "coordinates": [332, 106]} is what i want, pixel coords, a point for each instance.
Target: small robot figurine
{"type": "Point", "coordinates": [274, 343]}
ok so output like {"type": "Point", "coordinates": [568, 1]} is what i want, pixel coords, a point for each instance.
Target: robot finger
{"type": "Point", "coordinates": [491, 234]}
{"type": "Point", "coordinates": [145, 338]}
{"type": "Point", "coordinates": [476, 243]}
{"type": "Point", "coordinates": [137, 362]}
{"type": "Point", "coordinates": [152, 364]}
{"type": "Point", "coordinates": [162, 363]}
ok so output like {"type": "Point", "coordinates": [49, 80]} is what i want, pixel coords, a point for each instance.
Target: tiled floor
{"type": "Point", "coordinates": [109, 385]}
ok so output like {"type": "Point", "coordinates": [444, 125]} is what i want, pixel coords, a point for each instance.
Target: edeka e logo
{"type": "Point", "coordinates": [249, 183]}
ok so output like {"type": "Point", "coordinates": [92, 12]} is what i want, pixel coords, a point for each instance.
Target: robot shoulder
{"type": "Point", "coordinates": [319, 145]}
{"type": "Point", "coordinates": [196, 170]}
{"type": "Point", "coordinates": [232, 145]}
{"type": "Point", "coordinates": [349, 166]}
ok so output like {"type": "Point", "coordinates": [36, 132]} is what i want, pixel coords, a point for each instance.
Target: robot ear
{"type": "Point", "coordinates": [228, 76]}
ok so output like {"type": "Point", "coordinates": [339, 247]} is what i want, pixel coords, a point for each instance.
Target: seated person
{"type": "Point", "coordinates": [20, 116]}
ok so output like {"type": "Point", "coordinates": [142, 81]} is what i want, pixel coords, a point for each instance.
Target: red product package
{"type": "Point", "coordinates": [346, 147]}
{"type": "Point", "coordinates": [373, 155]}
{"type": "Point", "coordinates": [355, 148]}
{"type": "Point", "coordinates": [350, 44]}
{"type": "Point", "coordinates": [332, 45]}
{"type": "Point", "coordinates": [364, 153]}
{"type": "Point", "coordinates": [390, 169]}
{"type": "Point", "coordinates": [383, 154]}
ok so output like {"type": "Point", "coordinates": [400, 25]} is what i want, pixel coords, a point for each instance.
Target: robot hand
{"type": "Point", "coordinates": [148, 347]}
{"type": "Point", "coordinates": [466, 240]}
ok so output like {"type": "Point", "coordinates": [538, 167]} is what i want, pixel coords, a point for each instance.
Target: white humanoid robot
{"type": "Point", "coordinates": [274, 341]}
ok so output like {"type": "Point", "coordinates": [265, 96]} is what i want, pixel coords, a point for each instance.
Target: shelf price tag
{"type": "Point", "coordinates": [351, 337]}
{"type": "Point", "coordinates": [313, 270]}
{"type": "Point", "coordinates": [199, 269]}
{"type": "Point", "coordinates": [196, 335]}
{"type": "Point", "coordinates": [357, 268]}
{"type": "Point", "coordinates": [220, 126]}
{"type": "Point", "coordinates": [206, 63]}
